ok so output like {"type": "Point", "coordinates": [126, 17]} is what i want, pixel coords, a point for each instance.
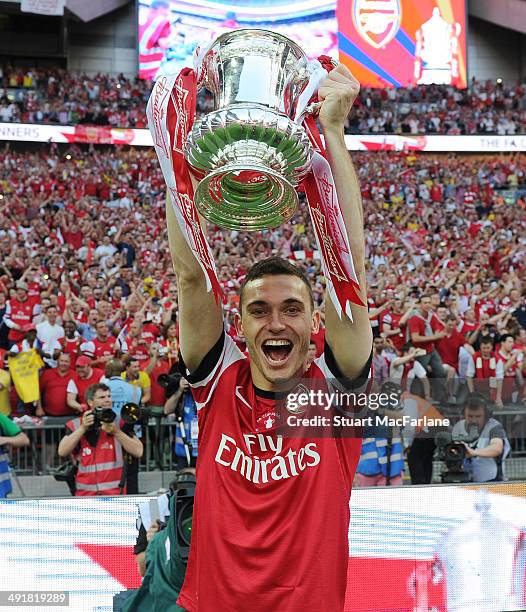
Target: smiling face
{"type": "Point", "coordinates": [277, 320]}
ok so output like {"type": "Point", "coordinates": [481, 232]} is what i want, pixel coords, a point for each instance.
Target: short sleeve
{"type": "Point", "coordinates": [331, 370]}
{"type": "Point", "coordinates": [204, 379]}
{"type": "Point", "coordinates": [9, 427]}
{"type": "Point", "coordinates": [146, 381]}
{"type": "Point", "coordinates": [413, 325]}
{"type": "Point", "coordinates": [72, 387]}
{"type": "Point", "coordinates": [471, 368]}
{"type": "Point", "coordinates": [497, 432]}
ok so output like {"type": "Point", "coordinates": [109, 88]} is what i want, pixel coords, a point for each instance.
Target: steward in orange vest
{"type": "Point", "coordinates": [98, 448]}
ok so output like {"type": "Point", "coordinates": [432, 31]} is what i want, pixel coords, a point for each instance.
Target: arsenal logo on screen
{"type": "Point", "coordinates": [377, 21]}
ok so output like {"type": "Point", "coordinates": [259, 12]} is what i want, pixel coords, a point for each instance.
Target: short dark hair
{"type": "Point", "coordinates": [114, 367]}
{"type": "Point", "coordinates": [486, 340]}
{"type": "Point", "coordinates": [275, 266]}
{"type": "Point", "coordinates": [475, 401]}
{"type": "Point", "coordinates": [92, 389]}
{"type": "Point", "coordinates": [504, 337]}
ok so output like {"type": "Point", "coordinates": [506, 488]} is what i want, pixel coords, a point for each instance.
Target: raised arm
{"type": "Point", "coordinates": [200, 317]}
{"type": "Point", "coordinates": [351, 342]}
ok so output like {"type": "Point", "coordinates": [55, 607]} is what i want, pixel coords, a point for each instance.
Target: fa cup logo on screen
{"type": "Point", "coordinates": [377, 21]}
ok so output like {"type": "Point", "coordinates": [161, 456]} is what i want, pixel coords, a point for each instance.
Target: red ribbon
{"type": "Point", "coordinates": [324, 214]}
{"type": "Point", "coordinates": [180, 119]}
{"type": "Point", "coordinates": [322, 203]}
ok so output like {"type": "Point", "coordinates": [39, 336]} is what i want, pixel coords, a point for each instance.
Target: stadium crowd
{"type": "Point", "coordinates": [54, 96]}
{"type": "Point", "coordinates": [85, 271]}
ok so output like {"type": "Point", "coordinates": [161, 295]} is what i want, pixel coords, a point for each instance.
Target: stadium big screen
{"type": "Point", "coordinates": [410, 549]}
{"type": "Point", "coordinates": [386, 43]}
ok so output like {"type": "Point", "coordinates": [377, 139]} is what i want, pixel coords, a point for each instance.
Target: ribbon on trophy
{"type": "Point", "coordinates": [322, 199]}
{"type": "Point", "coordinates": [171, 112]}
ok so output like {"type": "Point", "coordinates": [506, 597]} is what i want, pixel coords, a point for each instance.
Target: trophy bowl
{"type": "Point", "coordinates": [249, 153]}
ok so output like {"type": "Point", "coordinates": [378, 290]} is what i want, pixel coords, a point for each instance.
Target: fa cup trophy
{"type": "Point", "coordinates": [252, 151]}
{"type": "Point", "coordinates": [249, 152]}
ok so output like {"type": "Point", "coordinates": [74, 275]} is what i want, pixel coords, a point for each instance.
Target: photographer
{"type": "Point", "coordinates": [486, 455]}
{"type": "Point", "coordinates": [162, 550]}
{"type": "Point", "coordinates": [181, 402]}
{"type": "Point", "coordinates": [97, 443]}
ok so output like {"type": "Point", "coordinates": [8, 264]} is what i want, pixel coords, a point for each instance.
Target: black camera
{"type": "Point", "coordinates": [132, 413]}
{"type": "Point", "coordinates": [169, 382]}
{"type": "Point", "coordinates": [102, 415]}
{"type": "Point", "coordinates": [452, 451]}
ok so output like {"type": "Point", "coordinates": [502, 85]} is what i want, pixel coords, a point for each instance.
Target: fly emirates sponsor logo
{"type": "Point", "coordinates": [259, 471]}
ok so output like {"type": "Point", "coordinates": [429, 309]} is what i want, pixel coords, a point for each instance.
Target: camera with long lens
{"type": "Point", "coordinates": [183, 490]}
{"type": "Point", "coordinates": [451, 450]}
{"type": "Point", "coordinates": [132, 413]}
{"type": "Point", "coordinates": [102, 415]}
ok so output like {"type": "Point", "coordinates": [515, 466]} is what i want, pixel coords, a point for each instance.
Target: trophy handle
{"type": "Point", "coordinates": [314, 108]}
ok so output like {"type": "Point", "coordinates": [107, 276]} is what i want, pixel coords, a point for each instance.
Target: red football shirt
{"type": "Point", "coordinates": [417, 324]}
{"type": "Point", "coordinates": [53, 388]}
{"type": "Point", "coordinates": [449, 346]}
{"type": "Point", "coordinates": [271, 513]}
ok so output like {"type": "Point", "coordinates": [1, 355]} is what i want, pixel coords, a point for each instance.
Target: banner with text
{"type": "Point", "coordinates": [29, 132]}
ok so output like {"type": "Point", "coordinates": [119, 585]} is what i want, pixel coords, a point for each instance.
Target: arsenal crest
{"type": "Point", "coordinates": [377, 21]}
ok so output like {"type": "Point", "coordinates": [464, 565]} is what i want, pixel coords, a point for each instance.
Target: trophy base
{"type": "Point", "coordinates": [246, 197]}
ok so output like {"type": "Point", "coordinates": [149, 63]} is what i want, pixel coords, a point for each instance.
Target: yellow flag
{"type": "Point", "coordinates": [24, 369]}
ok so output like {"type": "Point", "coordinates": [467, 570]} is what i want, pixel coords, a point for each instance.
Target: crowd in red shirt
{"type": "Point", "coordinates": [38, 95]}
{"type": "Point", "coordinates": [84, 231]}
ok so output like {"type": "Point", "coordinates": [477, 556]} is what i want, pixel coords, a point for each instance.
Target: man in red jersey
{"type": "Point", "coordinates": [19, 313]}
{"type": "Point", "coordinates": [83, 377]}
{"type": "Point", "coordinates": [486, 372]}
{"type": "Point", "coordinates": [104, 345]}
{"type": "Point", "coordinates": [53, 389]}
{"type": "Point", "coordinates": [271, 513]}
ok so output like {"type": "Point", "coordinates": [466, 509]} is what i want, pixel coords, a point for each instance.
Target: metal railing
{"type": "Point", "coordinates": [158, 438]}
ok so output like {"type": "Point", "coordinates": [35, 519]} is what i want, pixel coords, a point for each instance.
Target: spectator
{"type": "Point", "coordinates": [135, 376]}
{"type": "Point", "coordinates": [486, 372]}
{"type": "Point", "coordinates": [405, 368]}
{"type": "Point", "coordinates": [49, 333]}
{"type": "Point", "coordinates": [19, 313]}
{"type": "Point", "coordinates": [511, 359]}
{"type": "Point", "coordinates": [382, 455]}
{"type": "Point", "coordinates": [122, 392]}
{"type": "Point", "coordinates": [426, 329]}
{"type": "Point", "coordinates": [54, 383]}
{"type": "Point", "coordinates": [98, 449]}
{"type": "Point", "coordinates": [83, 377]}
{"type": "Point", "coordinates": [103, 346]}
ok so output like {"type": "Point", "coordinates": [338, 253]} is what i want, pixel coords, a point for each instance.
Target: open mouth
{"type": "Point", "coordinates": [277, 351]}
